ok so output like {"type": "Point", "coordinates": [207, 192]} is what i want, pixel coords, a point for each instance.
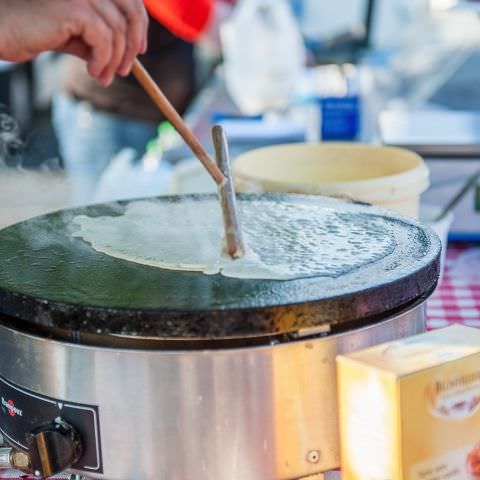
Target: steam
{"type": "Point", "coordinates": [27, 190]}
{"type": "Point", "coordinates": [11, 144]}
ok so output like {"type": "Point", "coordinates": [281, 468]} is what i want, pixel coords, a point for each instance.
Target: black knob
{"type": "Point", "coordinates": [54, 448]}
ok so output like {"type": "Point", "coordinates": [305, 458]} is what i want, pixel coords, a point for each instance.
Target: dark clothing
{"type": "Point", "coordinates": [170, 62]}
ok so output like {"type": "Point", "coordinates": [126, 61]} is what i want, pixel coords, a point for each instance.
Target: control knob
{"type": "Point", "coordinates": [54, 448]}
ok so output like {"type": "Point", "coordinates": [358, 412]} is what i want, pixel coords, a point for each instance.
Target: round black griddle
{"type": "Point", "coordinates": [51, 279]}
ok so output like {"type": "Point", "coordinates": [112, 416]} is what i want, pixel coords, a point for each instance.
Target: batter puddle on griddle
{"type": "Point", "coordinates": [284, 240]}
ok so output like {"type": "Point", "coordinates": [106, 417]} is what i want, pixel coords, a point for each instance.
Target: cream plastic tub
{"type": "Point", "coordinates": [390, 177]}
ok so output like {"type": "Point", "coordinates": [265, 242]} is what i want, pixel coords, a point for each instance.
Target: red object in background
{"type": "Point", "coordinates": [185, 18]}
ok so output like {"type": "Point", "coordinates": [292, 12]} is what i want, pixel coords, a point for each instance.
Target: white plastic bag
{"type": "Point", "coordinates": [126, 179]}
{"type": "Point", "coordinates": [264, 55]}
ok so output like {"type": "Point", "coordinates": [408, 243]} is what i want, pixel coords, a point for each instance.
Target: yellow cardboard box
{"type": "Point", "coordinates": [410, 409]}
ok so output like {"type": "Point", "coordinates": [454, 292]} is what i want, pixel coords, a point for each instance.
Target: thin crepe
{"type": "Point", "coordinates": [284, 240]}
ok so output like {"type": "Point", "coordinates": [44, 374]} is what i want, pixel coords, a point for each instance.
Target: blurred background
{"type": "Point", "coordinates": [404, 73]}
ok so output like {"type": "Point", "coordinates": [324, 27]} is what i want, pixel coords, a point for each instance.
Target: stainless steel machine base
{"type": "Point", "coordinates": [204, 415]}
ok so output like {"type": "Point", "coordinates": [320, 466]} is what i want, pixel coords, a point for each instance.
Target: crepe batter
{"type": "Point", "coordinates": [284, 240]}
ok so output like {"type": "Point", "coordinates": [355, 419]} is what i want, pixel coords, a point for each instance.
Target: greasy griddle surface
{"type": "Point", "coordinates": [51, 278]}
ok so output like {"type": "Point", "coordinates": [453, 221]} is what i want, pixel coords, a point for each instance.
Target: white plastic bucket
{"type": "Point", "coordinates": [390, 177]}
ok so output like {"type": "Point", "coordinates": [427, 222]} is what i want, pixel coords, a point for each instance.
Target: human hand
{"type": "Point", "coordinates": [107, 34]}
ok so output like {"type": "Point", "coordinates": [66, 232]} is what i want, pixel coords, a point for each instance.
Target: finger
{"type": "Point", "coordinates": [145, 37]}
{"type": "Point", "coordinates": [117, 22]}
{"type": "Point", "coordinates": [76, 47]}
{"type": "Point", "coordinates": [99, 37]}
{"type": "Point", "coordinates": [137, 31]}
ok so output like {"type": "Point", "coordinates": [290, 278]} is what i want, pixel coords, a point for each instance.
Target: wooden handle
{"type": "Point", "coordinates": [169, 112]}
{"type": "Point", "coordinates": [235, 247]}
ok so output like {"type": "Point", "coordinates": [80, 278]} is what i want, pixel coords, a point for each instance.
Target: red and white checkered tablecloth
{"type": "Point", "coordinates": [457, 300]}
